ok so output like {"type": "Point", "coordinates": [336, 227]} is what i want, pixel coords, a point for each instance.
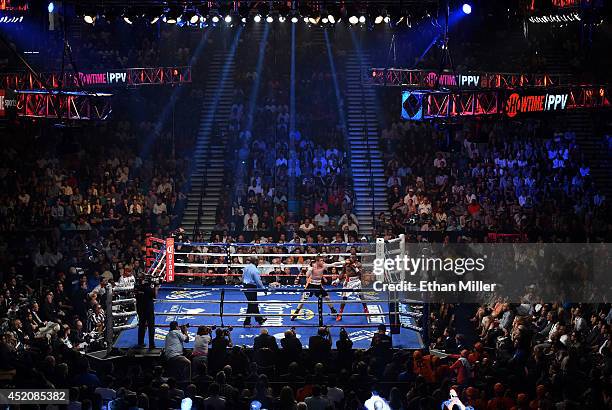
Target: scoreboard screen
{"type": "Point", "coordinates": [14, 5]}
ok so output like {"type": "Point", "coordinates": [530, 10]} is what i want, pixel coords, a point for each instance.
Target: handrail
{"type": "Point", "coordinates": [196, 226]}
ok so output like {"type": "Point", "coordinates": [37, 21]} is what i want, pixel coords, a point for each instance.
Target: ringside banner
{"type": "Point", "coordinates": [515, 273]}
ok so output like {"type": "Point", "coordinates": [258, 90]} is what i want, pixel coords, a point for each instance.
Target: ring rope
{"type": "Point", "coordinates": [247, 244]}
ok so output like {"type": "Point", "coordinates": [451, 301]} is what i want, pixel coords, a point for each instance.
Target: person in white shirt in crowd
{"type": "Point", "coordinates": [127, 279]}
{"type": "Point", "coordinates": [252, 216]}
{"type": "Point", "coordinates": [307, 226]}
{"type": "Point", "coordinates": [321, 219]}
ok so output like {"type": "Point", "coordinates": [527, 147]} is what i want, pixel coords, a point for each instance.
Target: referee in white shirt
{"type": "Point", "coordinates": [252, 280]}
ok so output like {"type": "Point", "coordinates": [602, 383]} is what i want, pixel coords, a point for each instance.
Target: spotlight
{"type": "Point", "coordinates": [215, 19]}
{"type": "Point", "coordinates": [362, 19]}
{"type": "Point", "coordinates": [89, 18]}
{"type": "Point", "coordinates": [191, 16]}
{"type": "Point", "coordinates": [51, 7]}
{"type": "Point", "coordinates": [269, 19]}
{"type": "Point", "coordinates": [306, 19]}
{"type": "Point", "coordinates": [281, 19]}
{"type": "Point", "coordinates": [331, 19]}
{"type": "Point", "coordinates": [127, 20]}
{"type": "Point", "coordinates": [153, 14]}
{"type": "Point", "coordinates": [172, 15]}
{"type": "Point", "coordinates": [244, 10]}
{"type": "Point", "coordinates": [353, 20]}
{"type": "Point", "coordinates": [294, 19]}
{"type": "Point", "coordinates": [378, 20]}
{"type": "Point", "coordinates": [387, 19]}
{"type": "Point", "coordinates": [202, 19]}
{"type": "Point", "coordinates": [467, 9]}
{"type": "Point", "coordinates": [228, 19]}
{"type": "Point", "coordinates": [313, 20]}
{"type": "Point", "coordinates": [257, 18]}
{"type": "Point", "coordinates": [324, 20]}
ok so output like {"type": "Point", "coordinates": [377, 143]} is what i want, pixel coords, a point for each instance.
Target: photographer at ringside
{"type": "Point", "coordinates": [177, 364]}
{"type": "Point", "coordinates": [319, 346]}
{"type": "Point", "coordinates": [218, 349]}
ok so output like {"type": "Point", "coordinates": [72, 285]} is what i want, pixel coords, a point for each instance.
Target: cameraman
{"type": "Point", "coordinates": [177, 364]}
{"type": "Point", "coordinates": [319, 346]}
{"type": "Point", "coordinates": [200, 346]}
{"type": "Point", "coordinates": [218, 349]}
{"type": "Point", "coordinates": [146, 292]}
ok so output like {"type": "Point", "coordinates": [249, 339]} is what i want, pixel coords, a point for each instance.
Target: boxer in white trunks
{"type": "Point", "coordinates": [351, 274]}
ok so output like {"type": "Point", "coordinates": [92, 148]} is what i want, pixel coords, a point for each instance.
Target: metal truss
{"type": "Point", "coordinates": [431, 79]}
{"type": "Point", "coordinates": [130, 77]}
{"type": "Point", "coordinates": [63, 105]}
{"type": "Point", "coordinates": [431, 105]}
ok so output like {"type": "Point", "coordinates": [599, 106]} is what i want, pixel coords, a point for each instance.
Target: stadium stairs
{"type": "Point", "coordinates": [206, 179]}
{"type": "Point", "coordinates": [581, 122]}
{"type": "Point", "coordinates": [363, 134]}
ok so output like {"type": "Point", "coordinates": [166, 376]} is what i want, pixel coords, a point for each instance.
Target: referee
{"type": "Point", "coordinates": [252, 280]}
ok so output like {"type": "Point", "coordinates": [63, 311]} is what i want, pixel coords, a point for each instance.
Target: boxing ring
{"type": "Point", "coordinates": [193, 292]}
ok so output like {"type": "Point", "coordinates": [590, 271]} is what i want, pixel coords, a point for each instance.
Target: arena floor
{"type": "Point", "coordinates": [181, 305]}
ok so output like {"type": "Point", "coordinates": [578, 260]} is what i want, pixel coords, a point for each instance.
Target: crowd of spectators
{"type": "Point", "coordinates": [75, 206]}
{"type": "Point", "coordinates": [514, 178]}
{"type": "Point", "coordinates": [287, 171]}
{"type": "Point", "coordinates": [76, 203]}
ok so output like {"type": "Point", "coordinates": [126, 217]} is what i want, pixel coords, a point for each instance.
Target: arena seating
{"type": "Point", "coordinates": [77, 203]}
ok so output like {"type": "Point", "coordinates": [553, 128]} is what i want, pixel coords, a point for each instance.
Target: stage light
{"type": "Point", "coordinates": [362, 19]}
{"type": "Point", "coordinates": [353, 20]}
{"type": "Point", "coordinates": [202, 19]}
{"type": "Point", "coordinates": [154, 19]}
{"type": "Point", "coordinates": [331, 19]}
{"type": "Point", "coordinates": [244, 10]}
{"type": "Point", "coordinates": [127, 20]}
{"type": "Point", "coordinates": [89, 19]}
{"type": "Point", "coordinates": [191, 16]}
{"type": "Point", "coordinates": [228, 19]}
{"type": "Point", "coordinates": [215, 19]}
{"type": "Point", "coordinates": [313, 20]}
{"type": "Point", "coordinates": [306, 19]}
{"type": "Point", "coordinates": [172, 15]}
{"type": "Point", "coordinates": [467, 9]}
{"type": "Point", "coordinates": [378, 20]}
{"type": "Point", "coordinates": [294, 19]}
{"type": "Point", "coordinates": [387, 19]}
{"type": "Point", "coordinates": [51, 7]}
{"type": "Point", "coordinates": [281, 19]}
{"type": "Point", "coordinates": [257, 18]}
{"type": "Point", "coordinates": [324, 20]}
{"type": "Point", "coordinates": [269, 19]}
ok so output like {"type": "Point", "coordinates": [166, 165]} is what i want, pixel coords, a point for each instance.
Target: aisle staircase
{"type": "Point", "coordinates": [581, 122]}
{"type": "Point", "coordinates": [209, 153]}
{"type": "Point", "coordinates": [366, 157]}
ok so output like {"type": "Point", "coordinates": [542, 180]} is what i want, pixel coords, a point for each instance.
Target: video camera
{"type": "Point", "coordinates": [226, 331]}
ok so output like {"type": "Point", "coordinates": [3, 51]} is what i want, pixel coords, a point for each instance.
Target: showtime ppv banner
{"type": "Point", "coordinates": [432, 79]}
{"type": "Point", "coordinates": [418, 105]}
{"type": "Point", "coordinates": [111, 78]}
